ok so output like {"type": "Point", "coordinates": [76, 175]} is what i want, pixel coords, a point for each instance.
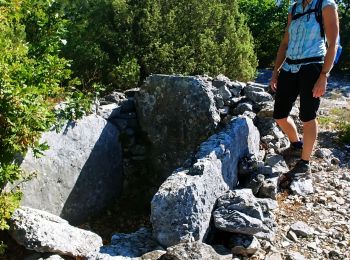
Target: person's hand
{"type": "Point", "coordinates": [319, 87]}
{"type": "Point", "coordinates": [273, 81]}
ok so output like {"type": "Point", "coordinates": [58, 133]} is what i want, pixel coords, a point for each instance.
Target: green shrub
{"type": "Point", "coordinates": [32, 80]}
{"type": "Point", "coordinates": [120, 42]}
{"type": "Point", "coordinates": [267, 22]}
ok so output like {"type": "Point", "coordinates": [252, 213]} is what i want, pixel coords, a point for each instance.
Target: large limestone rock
{"type": "Point", "coordinates": [182, 207]}
{"type": "Point", "coordinates": [44, 232]}
{"type": "Point", "coordinates": [81, 172]}
{"type": "Point", "coordinates": [177, 113]}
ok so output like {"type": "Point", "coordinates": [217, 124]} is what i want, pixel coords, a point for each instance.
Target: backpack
{"type": "Point", "coordinates": [318, 15]}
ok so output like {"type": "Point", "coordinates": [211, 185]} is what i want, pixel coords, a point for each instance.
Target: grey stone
{"type": "Point", "coordinates": [80, 174]}
{"type": "Point", "coordinates": [274, 256]}
{"type": "Point", "coordinates": [220, 81]}
{"type": "Point", "coordinates": [240, 212]}
{"type": "Point", "coordinates": [267, 138]}
{"type": "Point", "coordinates": [277, 163]}
{"type": "Point", "coordinates": [323, 153]}
{"type": "Point", "coordinates": [302, 186]}
{"type": "Point", "coordinates": [248, 168]}
{"type": "Point", "coordinates": [44, 232]}
{"type": "Point", "coordinates": [295, 256]}
{"type": "Point", "coordinates": [131, 245]}
{"type": "Point", "coordinates": [252, 88]}
{"type": "Point", "coordinates": [236, 88]}
{"type": "Point", "coordinates": [346, 176]}
{"type": "Point", "coordinates": [292, 236]}
{"type": "Point", "coordinates": [43, 256]}
{"type": "Point", "coordinates": [115, 97]}
{"type": "Point", "coordinates": [257, 85]}
{"type": "Point", "coordinates": [244, 245]}
{"type": "Point", "coordinates": [242, 107]}
{"type": "Point", "coordinates": [153, 255]}
{"type": "Point", "coordinates": [255, 183]}
{"type": "Point", "coordinates": [177, 111]}
{"type": "Point", "coordinates": [301, 229]}
{"type": "Point", "coordinates": [277, 133]}
{"type": "Point", "coordinates": [266, 110]}
{"type": "Point", "coordinates": [102, 256]}
{"type": "Point", "coordinates": [257, 94]}
{"type": "Point", "coordinates": [109, 111]}
{"type": "Point", "coordinates": [269, 188]}
{"type": "Point", "coordinates": [265, 125]}
{"type": "Point", "coordinates": [181, 209]}
{"type": "Point", "coordinates": [225, 93]}
{"type": "Point", "coordinates": [192, 251]}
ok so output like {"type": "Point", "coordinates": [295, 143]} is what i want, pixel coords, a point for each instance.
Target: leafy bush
{"type": "Point", "coordinates": [344, 20]}
{"type": "Point", "coordinates": [120, 42]}
{"type": "Point", "coordinates": [31, 83]}
{"type": "Point", "coordinates": [267, 22]}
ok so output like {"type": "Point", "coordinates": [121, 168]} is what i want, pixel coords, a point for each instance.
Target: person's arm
{"type": "Point", "coordinates": [331, 28]}
{"type": "Point", "coordinates": [281, 56]}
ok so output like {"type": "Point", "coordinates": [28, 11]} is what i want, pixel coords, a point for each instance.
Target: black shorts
{"type": "Point", "coordinates": [290, 85]}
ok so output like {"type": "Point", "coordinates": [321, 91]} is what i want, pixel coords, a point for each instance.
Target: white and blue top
{"type": "Point", "coordinates": [305, 39]}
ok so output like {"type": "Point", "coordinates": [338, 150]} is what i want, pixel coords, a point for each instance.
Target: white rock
{"type": "Point", "coordinates": [44, 232]}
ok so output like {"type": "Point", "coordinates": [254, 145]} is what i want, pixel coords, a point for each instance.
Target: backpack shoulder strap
{"type": "Point", "coordinates": [319, 19]}
{"type": "Point", "coordinates": [294, 8]}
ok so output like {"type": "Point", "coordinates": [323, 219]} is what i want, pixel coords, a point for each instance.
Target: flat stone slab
{"type": "Point", "coordinates": [80, 174]}
{"type": "Point", "coordinates": [44, 232]}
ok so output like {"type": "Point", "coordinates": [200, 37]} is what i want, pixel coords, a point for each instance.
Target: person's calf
{"type": "Point", "coordinates": [309, 138]}
{"type": "Point", "coordinates": [289, 128]}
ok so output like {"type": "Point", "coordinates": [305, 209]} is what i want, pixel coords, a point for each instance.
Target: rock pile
{"type": "Point", "coordinates": [225, 194]}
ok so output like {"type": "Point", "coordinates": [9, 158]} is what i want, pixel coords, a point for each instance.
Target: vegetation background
{"type": "Point", "coordinates": [60, 51]}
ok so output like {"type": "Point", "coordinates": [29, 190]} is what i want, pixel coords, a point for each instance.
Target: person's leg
{"type": "Point", "coordinates": [309, 137]}
{"type": "Point", "coordinates": [289, 128]}
{"type": "Point", "coordinates": [286, 94]}
{"type": "Point", "coordinates": [308, 107]}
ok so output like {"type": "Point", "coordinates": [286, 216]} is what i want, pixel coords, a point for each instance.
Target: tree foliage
{"type": "Point", "coordinates": [120, 42]}
{"type": "Point", "coordinates": [344, 20]}
{"type": "Point", "coordinates": [267, 22]}
{"type": "Point", "coordinates": [32, 79]}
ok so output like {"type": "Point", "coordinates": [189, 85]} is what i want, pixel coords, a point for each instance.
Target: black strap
{"type": "Point", "coordinates": [319, 18]}
{"type": "Point", "coordinates": [318, 14]}
{"type": "Point", "coordinates": [297, 16]}
{"type": "Point", "coordinates": [305, 60]}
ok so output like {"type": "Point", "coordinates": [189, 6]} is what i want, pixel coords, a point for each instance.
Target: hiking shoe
{"type": "Point", "coordinates": [291, 151]}
{"type": "Point", "coordinates": [301, 169]}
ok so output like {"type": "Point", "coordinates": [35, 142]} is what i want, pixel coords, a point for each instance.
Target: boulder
{"type": "Point", "coordinates": [257, 94]}
{"type": "Point", "coordinates": [44, 232]}
{"type": "Point", "coordinates": [177, 113]}
{"type": "Point", "coordinates": [80, 174]}
{"type": "Point", "coordinates": [181, 209]}
{"type": "Point", "coordinates": [240, 212]}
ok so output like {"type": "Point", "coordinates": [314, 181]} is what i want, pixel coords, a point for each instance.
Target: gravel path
{"type": "Point", "coordinates": [325, 215]}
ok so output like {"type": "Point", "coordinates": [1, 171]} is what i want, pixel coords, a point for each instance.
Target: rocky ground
{"type": "Point", "coordinates": [313, 226]}
{"type": "Point", "coordinates": [325, 215]}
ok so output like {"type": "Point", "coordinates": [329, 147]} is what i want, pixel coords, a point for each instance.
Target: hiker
{"type": "Point", "coordinates": [303, 63]}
